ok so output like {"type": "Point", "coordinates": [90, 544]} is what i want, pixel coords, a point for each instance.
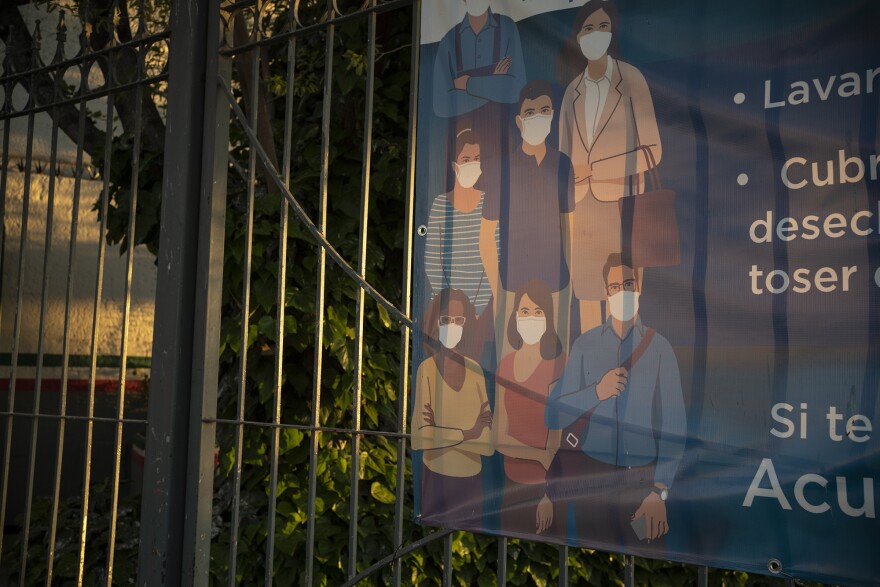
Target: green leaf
{"type": "Point", "coordinates": [384, 316]}
{"type": "Point", "coordinates": [290, 439]}
{"type": "Point", "coordinates": [381, 493]}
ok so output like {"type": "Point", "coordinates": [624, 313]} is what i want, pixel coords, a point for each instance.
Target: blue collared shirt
{"type": "Point", "coordinates": [477, 50]}
{"type": "Point", "coordinates": [646, 423]}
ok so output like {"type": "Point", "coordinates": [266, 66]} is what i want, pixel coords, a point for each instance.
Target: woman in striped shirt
{"type": "Point", "coordinates": [452, 252]}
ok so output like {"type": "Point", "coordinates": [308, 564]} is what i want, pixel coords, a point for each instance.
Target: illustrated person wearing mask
{"type": "Point", "coordinates": [531, 212]}
{"type": "Point", "coordinates": [624, 377]}
{"type": "Point", "coordinates": [452, 250]}
{"type": "Point", "coordinates": [479, 71]}
{"type": "Point", "coordinates": [451, 422]}
{"type": "Point", "coordinates": [606, 114]}
{"type": "Point", "coordinates": [523, 382]}
{"type": "Point", "coordinates": [479, 62]}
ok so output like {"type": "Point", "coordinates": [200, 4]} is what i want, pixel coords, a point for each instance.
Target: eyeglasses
{"type": "Point", "coordinates": [457, 320]}
{"type": "Point", "coordinates": [627, 285]}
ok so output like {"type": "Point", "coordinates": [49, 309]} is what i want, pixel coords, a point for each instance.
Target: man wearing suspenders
{"type": "Point", "coordinates": [620, 405]}
{"type": "Point", "coordinates": [479, 63]}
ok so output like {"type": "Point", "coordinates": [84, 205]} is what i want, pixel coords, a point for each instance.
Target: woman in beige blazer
{"type": "Point", "coordinates": [606, 113]}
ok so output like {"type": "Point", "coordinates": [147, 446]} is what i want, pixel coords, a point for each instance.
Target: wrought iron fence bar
{"type": "Point", "coordinates": [90, 96]}
{"type": "Point", "coordinates": [4, 172]}
{"type": "Point", "coordinates": [245, 308]}
{"type": "Point", "coordinates": [65, 343]}
{"type": "Point", "coordinates": [359, 312]}
{"type": "Point", "coordinates": [397, 555]}
{"type": "Point", "coordinates": [72, 417]}
{"type": "Point", "coordinates": [280, 303]}
{"type": "Point", "coordinates": [447, 561]}
{"type": "Point", "coordinates": [96, 314]}
{"type": "Point", "coordinates": [276, 400]}
{"type": "Point", "coordinates": [324, 23]}
{"type": "Point", "coordinates": [501, 579]}
{"type": "Point", "coordinates": [314, 230]}
{"type": "Point", "coordinates": [233, 6]}
{"type": "Point", "coordinates": [52, 360]}
{"type": "Point", "coordinates": [563, 566]}
{"type": "Point", "coordinates": [304, 427]}
{"type": "Point", "coordinates": [91, 56]}
{"type": "Point", "coordinates": [629, 571]}
{"type": "Point", "coordinates": [126, 309]}
{"type": "Point", "coordinates": [406, 295]}
{"type": "Point", "coordinates": [315, 437]}
{"type": "Point", "coordinates": [41, 336]}
{"type": "Point", "coordinates": [16, 325]}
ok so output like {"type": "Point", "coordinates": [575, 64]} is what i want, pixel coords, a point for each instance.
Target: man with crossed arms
{"type": "Point", "coordinates": [634, 439]}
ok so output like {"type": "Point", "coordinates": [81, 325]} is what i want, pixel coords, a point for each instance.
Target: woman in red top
{"type": "Point", "coordinates": [524, 379]}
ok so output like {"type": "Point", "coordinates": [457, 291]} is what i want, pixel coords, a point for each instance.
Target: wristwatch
{"type": "Point", "coordinates": [663, 493]}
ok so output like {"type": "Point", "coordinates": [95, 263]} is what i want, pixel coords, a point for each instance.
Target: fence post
{"type": "Point", "coordinates": [178, 472]}
{"type": "Point", "coordinates": [629, 570]}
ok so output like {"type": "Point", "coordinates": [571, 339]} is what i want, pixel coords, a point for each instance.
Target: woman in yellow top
{"type": "Point", "coordinates": [606, 114]}
{"type": "Point", "coordinates": [451, 420]}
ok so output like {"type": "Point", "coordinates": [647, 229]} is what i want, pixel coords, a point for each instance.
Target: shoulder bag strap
{"type": "Point", "coordinates": [640, 350]}
{"type": "Point", "coordinates": [652, 172]}
{"type": "Point", "coordinates": [577, 428]}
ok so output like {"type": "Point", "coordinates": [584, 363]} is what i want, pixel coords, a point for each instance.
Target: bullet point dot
{"type": "Point", "coordinates": [739, 98]}
{"type": "Point", "coordinates": [742, 179]}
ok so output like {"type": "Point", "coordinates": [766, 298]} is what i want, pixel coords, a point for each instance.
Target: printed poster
{"type": "Point", "coordinates": [647, 289]}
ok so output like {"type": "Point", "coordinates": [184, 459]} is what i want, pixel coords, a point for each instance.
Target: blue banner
{"type": "Point", "coordinates": [648, 279]}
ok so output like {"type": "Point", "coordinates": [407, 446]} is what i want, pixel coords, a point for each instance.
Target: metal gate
{"type": "Point", "coordinates": [226, 447]}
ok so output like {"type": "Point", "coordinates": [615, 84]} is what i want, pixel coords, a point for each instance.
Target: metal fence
{"type": "Point", "coordinates": [70, 410]}
{"type": "Point", "coordinates": [106, 95]}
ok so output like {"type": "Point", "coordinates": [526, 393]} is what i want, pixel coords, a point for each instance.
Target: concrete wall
{"type": "Point", "coordinates": [109, 337]}
{"type": "Point", "coordinates": [84, 272]}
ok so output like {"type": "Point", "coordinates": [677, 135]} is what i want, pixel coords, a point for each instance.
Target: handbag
{"type": "Point", "coordinates": [565, 478]}
{"type": "Point", "coordinates": [649, 228]}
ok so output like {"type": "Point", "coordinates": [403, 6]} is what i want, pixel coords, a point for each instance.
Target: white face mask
{"type": "Point", "coordinates": [594, 45]}
{"type": "Point", "coordinates": [531, 328]}
{"type": "Point", "coordinates": [476, 7]}
{"type": "Point", "coordinates": [450, 335]}
{"type": "Point", "coordinates": [468, 173]}
{"type": "Point", "coordinates": [624, 305]}
{"type": "Point", "coordinates": [536, 128]}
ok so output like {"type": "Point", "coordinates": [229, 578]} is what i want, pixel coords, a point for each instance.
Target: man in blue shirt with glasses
{"type": "Point", "coordinates": [622, 386]}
